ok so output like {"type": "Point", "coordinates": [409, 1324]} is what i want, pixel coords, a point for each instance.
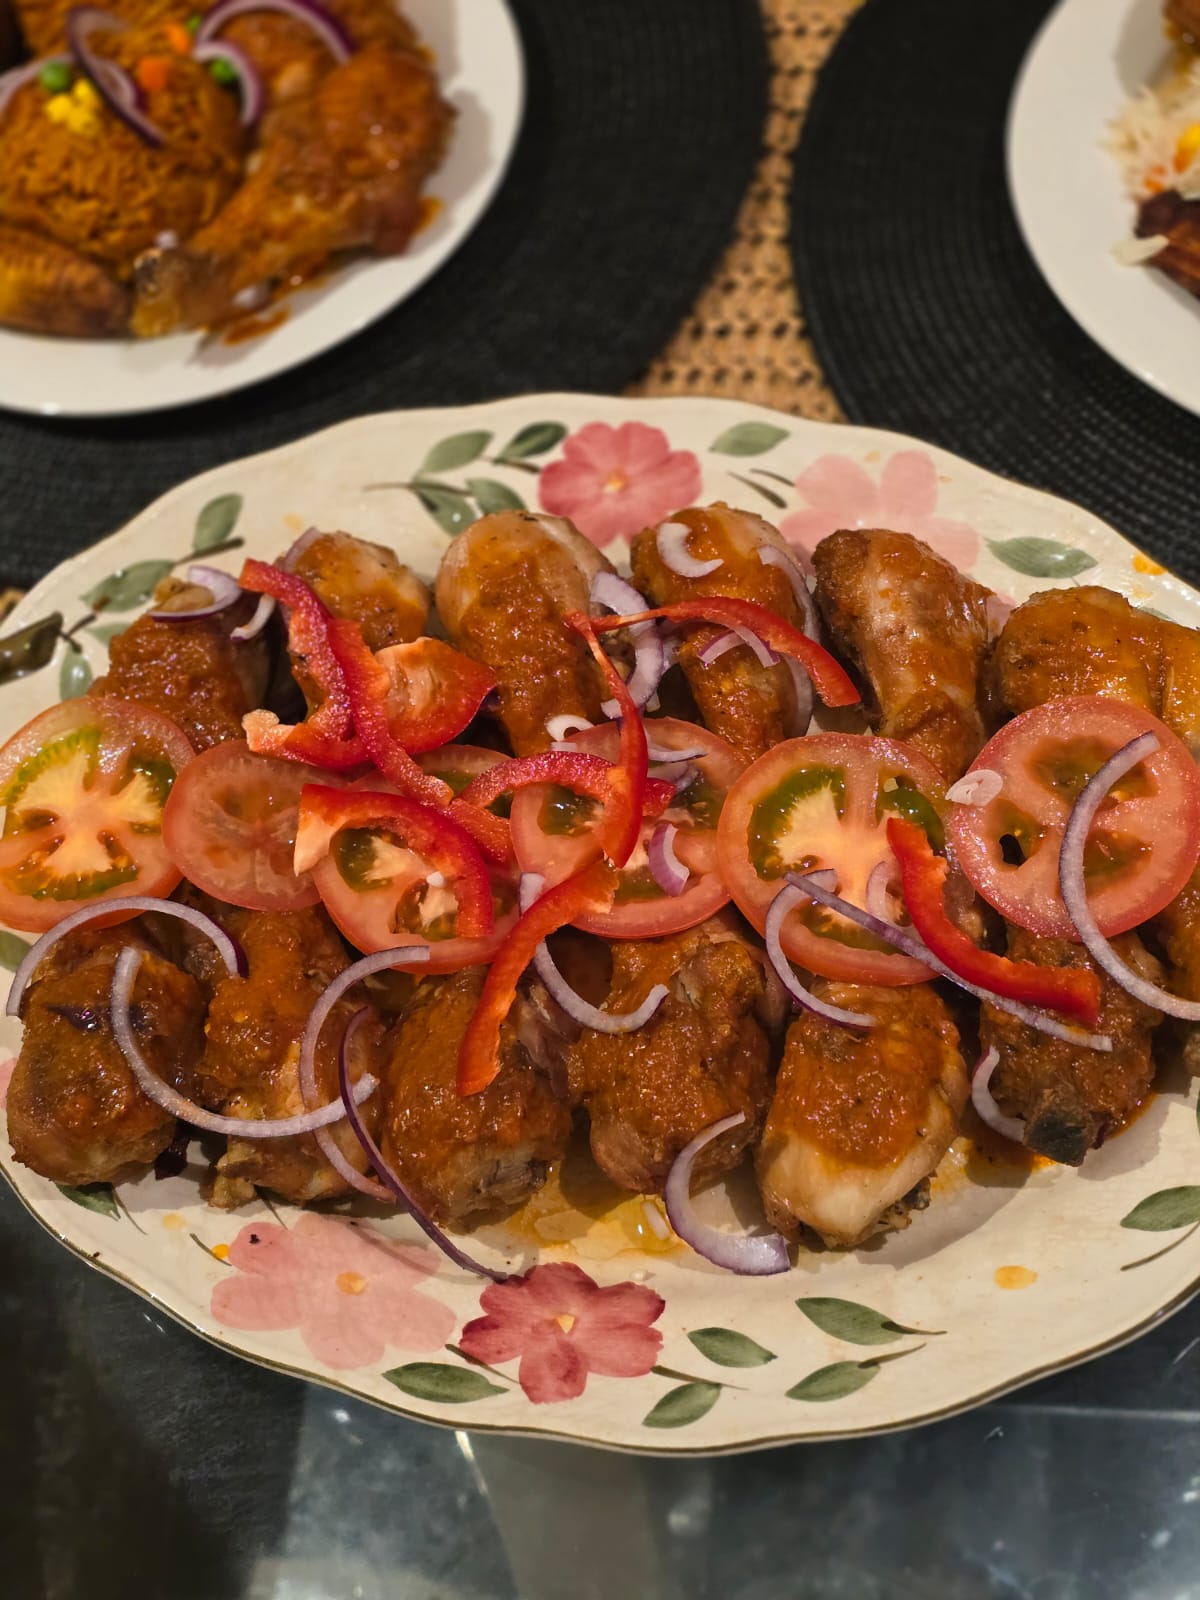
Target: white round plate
{"type": "Point", "coordinates": [479, 59]}
{"type": "Point", "coordinates": [1009, 1274]}
{"type": "Point", "coordinates": [1090, 57]}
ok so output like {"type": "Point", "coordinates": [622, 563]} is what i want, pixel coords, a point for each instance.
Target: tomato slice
{"type": "Point", "coordinates": [84, 786]}
{"type": "Point", "coordinates": [1144, 842]}
{"type": "Point", "coordinates": [230, 827]}
{"type": "Point", "coordinates": [457, 764]}
{"type": "Point", "coordinates": [553, 828]}
{"type": "Point", "coordinates": [824, 802]}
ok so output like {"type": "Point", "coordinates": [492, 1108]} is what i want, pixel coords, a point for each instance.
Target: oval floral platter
{"type": "Point", "coordinates": [614, 1334]}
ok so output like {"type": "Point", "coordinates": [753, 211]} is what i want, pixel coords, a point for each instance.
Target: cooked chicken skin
{"type": "Point", "coordinates": [702, 1056]}
{"type": "Point", "coordinates": [1185, 14]}
{"type": "Point", "coordinates": [466, 1153]}
{"type": "Point", "coordinates": [861, 1118]}
{"type": "Point", "coordinates": [47, 288]}
{"type": "Point", "coordinates": [369, 584]}
{"type": "Point", "coordinates": [75, 1112]}
{"type": "Point", "coordinates": [1178, 220]}
{"type": "Point", "coordinates": [290, 57]}
{"type": "Point", "coordinates": [918, 630]}
{"type": "Point", "coordinates": [502, 591]}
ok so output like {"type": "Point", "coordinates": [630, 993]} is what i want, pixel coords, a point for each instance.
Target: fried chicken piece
{"type": "Point", "coordinates": [47, 288]}
{"type": "Point", "coordinates": [467, 1153]}
{"type": "Point", "coordinates": [702, 1056]}
{"type": "Point", "coordinates": [918, 630]}
{"type": "Point", "coordinates": [75, 1112]}
{"type": "Point", "coordinates": [502, 591]}
{"type": "Point", "coordinates": [752, 706]}
{"type": "Point", "coordinates": [1185, 15]}
{"type": "Point", "coordinates": [368, 583]}
{"type": "Point", "coordinates": [861, 1118]}
{"type": "Point", "coordinates": [43, 23]}
{"type": "Point", "coordinates": [1072, 1098]}
{"type": "Point", "coordinates": [340, 170]}
{"type": "Point", "coordinates": [1178, 221]}
{"type": "Point", "coordinates": [290, 57]}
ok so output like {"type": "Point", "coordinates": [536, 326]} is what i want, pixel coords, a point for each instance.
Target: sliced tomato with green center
{"type": "Point", "coordinates": [1144, 842]}
{"type": "Point", "coordinates": [230, 827]}
{"type": "Point", "coordinates": [823, 803]}
{"type": "Point", "coordinates": [553, 828]}
{"type": "Point", "coordinates": [83, 788]}
{"type": "Point", "coordinates": [459, 764]}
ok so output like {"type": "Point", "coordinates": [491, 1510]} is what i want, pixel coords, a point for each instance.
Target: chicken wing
{"type": "Point", "coordinates": [704, 1055]}
{"type": "Point", "coordinates": [860, 1119]}
{"type": "Point", "coordinates": [368, 583]}
{"type": "Point", "coordinates": [47, 288]}
{"type": "Point", "coordinates": [502, 591]}
{"type": "Point", "coordinates": [752, 706]}
{"type": "Point", "coordinates": [918, 629]}
{"type": "Point", "coordinates": [467, 1153]}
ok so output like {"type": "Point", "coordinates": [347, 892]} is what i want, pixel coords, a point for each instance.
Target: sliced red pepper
{"type": "Point", "coordinates": [421, 695]}
{"type": "Point", "coordinates": [591, 890]}
{"type": "Point", "coordinates": [1072, 990]}
{"type": "Point", "coordinates": [573, 769]}
{"type": "Point", "coordinates": [621, 826]}
{"type": "Point", "coordinates": [433, 835]}
{"type": "Point", "coordinates": [829, 677]}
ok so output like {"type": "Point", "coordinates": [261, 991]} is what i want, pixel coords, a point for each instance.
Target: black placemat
{"type": "Point", "coordinates": [642, 128]}
{"type": "Point", "coordinates": [925, 307]}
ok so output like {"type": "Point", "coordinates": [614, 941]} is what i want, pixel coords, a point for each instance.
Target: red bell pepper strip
{"type": "Point", "coordinates": [621, 826]}
{"type": "Point", "coordinates": [1072, 990]}
{"type": "Point", "coordinates": [326, 737]}
{"type": "Point", "coordinates": [431, 834]}
{"type": "Point", "coordinates": [830, 679]}
{"type": "Point", "coordinates": [419, 695]}
{"type": "Point", "coordinates": [573, 769]}
{"type": "Point", "coordinates": [592, 890]}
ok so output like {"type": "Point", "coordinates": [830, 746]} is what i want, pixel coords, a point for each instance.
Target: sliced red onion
{"type": "Point", "coordinates": [288, 560]}
{"type": "Point", "coordinates": [1074, 888]}
{"type": "Point", "coordinates": [223, 588]}
{"type": "Point", "coordinates": [660, 753]}
{"type": "Point", "coordinates": [771, 556]}
{"type": "Point", "coordinates": [529, 888]}
{"type": "Point", "coordinates": [668, 872]}
{"type": "Point", "coordinates": [113, 84]}
{"type": "Point", "coordinates": [328, 28]}
{"type": "Point", "coordinates": [978, 788]}
{"type": "Point", "coordinates": [227, 949]}
{"type": "Point", "coordinates": [754, 1255]}
{"type": "Point", "coordinates": [589, 1016]}
{"type": "Point", "coordinates": [680, 773]}
{"type": "Point", "coordinates": [263, 612]}
{"type": "Point", "coordinates": [910, 944]}
{"type": "Point", "coordinates": [161, 1092]}
{"type": "Point", "coordinates": [330, 1148]}
{"type": "Point", "coordinates": [981, 1098]}
{"type": "Point", "coordinates": [562, 727]}
{"type": "Point", "coordinates": [877, 892]}
{"type": "Point", "coordinates": [649, 656]}
{"type": "Point", "coordinates": [784, 901]}
{"type": "Point", "coordinates": [805, 700]}
{"type": "Point", "coordinates": [730, 639]}
{"type": "Point", "coordinates": [250, 85]}
{"type": "Point", "coordinates": [10, 82]}
{"type": "Point", "coordinates": [672, 542]}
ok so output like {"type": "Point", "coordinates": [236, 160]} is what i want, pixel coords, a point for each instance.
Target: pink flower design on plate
{"type": "Point", "coordinates": [613, 482]}
{"type": "Point", "coordinates": [563, 1326]}
{"type": "Point", "coordinates": [841, 493]}
{"type": "Point", "coordinates": [350, 1292]}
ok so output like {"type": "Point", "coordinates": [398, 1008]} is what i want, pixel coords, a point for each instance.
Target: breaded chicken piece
{"type": "Point", "coordinates": [861, 1118]}
{"type": "Point", "coordinates": [368, 583]}
{"type": "Point", "coordinates": [291, 58]}
{"type": "Point", "coordinates": [917, 628]}
{"type": "Point", "coordinates": [47, 288]}
{"type": "Point", "coordinates": [1178, 221]}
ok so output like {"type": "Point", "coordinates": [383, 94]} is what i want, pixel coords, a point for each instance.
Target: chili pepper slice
{"type": "Point", "coordinates": [419, 695]}
{"type": "Point", "coordinates": [621, 826]}
{"type": "Point", "coordinates": [573, 769]}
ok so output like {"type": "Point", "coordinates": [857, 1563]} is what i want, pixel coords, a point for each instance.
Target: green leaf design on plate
{"type": "Point", "coordinates": [30, 648]}
{"type": "Point", "coordinates": [1041, 558]}
{"type": "Point", "coordinates": [93, 1197]}
{"type": "Point", "coordinates": [1169, 1208]}
{"type": "Point", "coordinates": [855, 1323]}
{"type": "Point", "coordinates": [834, 1382]}
{"type": "Point", "coordinates": [216, 522]}
{"type": "Point", "coordinates": [440, 1382]}
{"type": "Point", "coordinates": [74, 676]}
{"type": "Point", "coordinates": [534, 439]}
{"type": "Point", "coordinates": [728, 1348]}
{"type": "Point", "coordinates": [456, 451]}
{"type": "Point", "coordinates": [679, 1407]}
{"type": "Point", "coordinates": [748, 439]}
{"type": "Point", "coordinates": [492, 496]}
{"type": "Point", "coordinates": [127, 587]}
{"type": "Point", "coordinates": [13, 950]}
{"type": "Point", "coordinates": [449, 507]}
{"type": "Point", "coordinates": [106, 632]}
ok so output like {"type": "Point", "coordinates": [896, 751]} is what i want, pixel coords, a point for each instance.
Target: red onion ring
{"type": "Point", "coordinates": [227, 949]}
{"type": "Point", "coordinates": [978, 788]}
{"type": "Point", "coordinates": [113, 84]}
{"type": "Point", "coordinates": [981, 1098]}
{"type": "Point", "coordinates": [649, 656]}
{"type": "Point", "coordinates": [805, 699]}
{"type": "Point", "coordinates": [876, 895]}
{"type": "Point", "coordinates": [671, 541]}
{"type": "Point", "coordinates": [772, 556]}
{"type": "Point", "coordinates": [668, 872]}
{"type": "Point", "coordinates": [1073, 887]}
{"type": "Point", "coordinates": [659, 754]}
{"type": "Point", "coordinates": [730, 639]}
{"type": "Point", "coordinates": [323, 23]}
{"type": "Point", "coordinates": [783, 902]}
{"type": "Point", "coordinates": [753, 1255]}
{"type": "Point", "coordinates": [223, 588]}
{"type": "Point", "coordinates": [330, 1148]}
{"type": "Point", "coordinates": [250, 85]}
{"type": "Point", "coordinates": [589, 1016]}
{"type": "Point", "coordinates": [289, 558]}
{"type": "Point", "coordinates": [907, 941]}
{"type": "Point", "coordinates": [10, 82]}
{"type": "Point", "coordinates": [562, 727]}
{"type": "Point", "coordinates": [263, 612]}
{"type": "Point", "coordinates": [161, 1092]}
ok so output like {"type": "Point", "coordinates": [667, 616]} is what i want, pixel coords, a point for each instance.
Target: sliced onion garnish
{"type": "Point", "coordinates": [668, 872]}
{"type": "Point", "coordinates": [756, 1255]}
{"type": "Point", "coordinates": [909, 943]}
{"type": "Point", "coordinates": [981, 1098]}
{"type": "Point", "coordinates": [10, 82]}
{"type": "Point", "coordinates": [330, 1148]}
{"type": "Point", "coordinates": [529, 888]}
{"type": "Point", "coordinates": [771, 556]}
{"type": "Point", "coordinates": [112, 83]}
{"type": "Point", "coordinates": [392, 1179]}
{"type": "Point", "coordinates": [562, 727]}
{"type": "Point", "coordinates": [978, 788]}
{"type": "Point", "coordinates": [680, 773]}
{"type": "Point", "coordinates": [805, 699]}
{"type": "Point", "coordinates": [730, 639]}
{"type": "Point", "coordinates": [223, 588]}
{"type": "Point", "coordinates": [782, 967]}
{"type": "Point", "coordinates": [227, 949]}
{"type": "Point", "coordinates": [328, 28]}
{"type": "Point", "coordinates": [250, 86]}
{"type": "Point", "coordinates": [263, 612]}
{"type": "Point", "coordinates": [288, 560]}
{"type": "Point", "coordinates": [876, 896]}
{"type": "Point", "coordinates": [672, 541]}
{"type": "Point", "coordinates": [660, 753]}
{"type": "Point", "coordinates": [1073, 887]}
{"type": "Point", "coordinates": [161, 1092]}
{"type": "Point", "coordinates": [589, 1016]}
{"type": "Point", "coordinates": [649, 656]}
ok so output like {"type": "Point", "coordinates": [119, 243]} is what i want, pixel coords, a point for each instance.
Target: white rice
{"type": "Point", "coordinates": [1143, 138]}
